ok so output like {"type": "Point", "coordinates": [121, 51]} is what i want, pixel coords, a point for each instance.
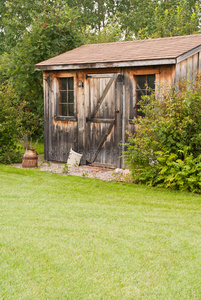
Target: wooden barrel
{"type": "Point", "coordinates": [30, 159]}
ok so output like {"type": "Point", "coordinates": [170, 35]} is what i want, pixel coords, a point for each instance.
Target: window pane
{"type": "Point", "coordinates": [63, 97]}
{"type": "Point", "coordinates": [70, 83]}
{"type": "Point", "coordinates": [70, 97]}
{"type": "Point", "coordinates": [66, 99]}
{"type": "Point", "coordinates": [140, 113]}
{"type": "Point", "coordinates": [63, 109]}
{"type": "Point", "coordinates": [71, 109]}
{"type": "Point", "coordinates": [144, 86]}
{"type": "Point", "coordinates": [151, 81]}
{"type": "Point", "coordinates": [140, 93]}
{"type": "Point", "coordinates": [63, 84]}
{"type": "Point", "coordinates": [141, 81]}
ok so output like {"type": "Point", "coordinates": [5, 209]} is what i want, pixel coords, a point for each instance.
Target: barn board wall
{"type": "Point", "coordinates": [46, 116]}
{"type": "Point", "coordinates": [81, 116]}
{"type": "Point", "coordinates": [199, 61]}
{"type": "Point", "coordinates": [60, 136]}
{"type": "Point", "coordinates": [188, 67]}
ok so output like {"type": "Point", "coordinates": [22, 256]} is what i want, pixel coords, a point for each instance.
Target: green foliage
{"type": "Point", "coordinates": [179, 20]}
{"type": "Point", "coordinates": [40, 148]}
{"type": "Point", "coordinates": [51, 32]}
{"type": "Point", "coordinates": [65, 169]}
{"type": "Point", "coordinates": [182, 174]}
{"type": "Point", "coordinates": [15, 120]}
{"type": "Point", "coordinates": [112, 32]}
{"type": "Point", "coordinates": [165, 150]}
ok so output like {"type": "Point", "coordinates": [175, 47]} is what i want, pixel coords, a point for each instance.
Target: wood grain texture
{"type": "Point", "coordinates": [96, 129]}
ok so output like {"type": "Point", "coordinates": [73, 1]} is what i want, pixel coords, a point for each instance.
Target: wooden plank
{"type": "Point", "coordinates": [65, 118]}
{"type": "Point", "coordinates": [50, 119]}
{"type": "Point", "coordinates": [80, 116]}
{"type": "Point", "coordinates": [87, 94]}
{"type": "Point", "coordinates": [183, 69]}
{"type": "Point", "coordinates": [46, 117]}
{"type": "Point", "coordinates": [195, 65]}
{"type": "Point", "coordinates": [105, 75]}
{"type": "Point", "coordinates": [118, 124]}
{"type": "Point", "coordinates": [101, 71]}
{"type": "Point", "coordinates": [153, 62]}
{"type": "Point", "coordinates": [190, 67]}
{"type": "Point", "coordinates": [100, 100]}
{"type": "Point", "coordinates": [100, 120]}
{"type": "Point", "coordinates": [102, 141]}
{"type": "Point", "coordinates": [56, 107]}
{"type": "Point", "coordinates": [199, 61]}
{"type": "Point", "coordinates": [173, 74]}
{"type": "Point", "coordinates": [144, 71]}
{"type": "Point", "coordinates": [177, 73]}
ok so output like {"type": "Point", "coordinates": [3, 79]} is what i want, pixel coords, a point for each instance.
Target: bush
{"type": "Point", "coordinates": [165, 150]}
{"type": "Point", "coordinates": [183, 174]}
{"type": "Point", "coordinates": [15, 119]}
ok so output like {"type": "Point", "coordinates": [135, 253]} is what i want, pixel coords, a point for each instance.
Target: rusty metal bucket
{"type": "Point", "coordinates": [30, 159]}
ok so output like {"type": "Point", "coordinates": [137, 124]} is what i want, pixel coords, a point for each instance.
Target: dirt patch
{"type": "Point", "coordinates": [102, 173]}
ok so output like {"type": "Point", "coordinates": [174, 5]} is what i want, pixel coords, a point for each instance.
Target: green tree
{"type": "Point", "coordinates": [51, 32]}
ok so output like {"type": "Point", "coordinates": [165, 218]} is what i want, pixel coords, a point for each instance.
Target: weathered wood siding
{"type": "Point", "coordinates": [188, 67]}
{"type": "Point", "coordinates": [59, 135]}
{"type": "Point", "coordinates": [105, 129]}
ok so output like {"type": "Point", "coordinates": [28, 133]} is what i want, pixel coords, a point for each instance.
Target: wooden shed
{"type": "Point", "coordinates": [91, 93]}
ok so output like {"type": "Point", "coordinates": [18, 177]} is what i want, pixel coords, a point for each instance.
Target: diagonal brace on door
{"type": "Point", "coordinates": [100, 100]}
{"type": "Point", "coordinates": [102, 141]}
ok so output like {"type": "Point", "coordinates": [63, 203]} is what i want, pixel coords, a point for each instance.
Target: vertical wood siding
{"type": "Point", "coordinates": [84, 136]}
{"type": "Point", "coordinates": [188, 67]}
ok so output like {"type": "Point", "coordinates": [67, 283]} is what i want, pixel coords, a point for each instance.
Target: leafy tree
{"type": "Point", "coordinates": [178, 20]}
{"type": "Point", "coordinates": [15, 18]}
{"type": "Point", "coordinates": [51, 32]}
{"type": "Point", "coordinates": [145, 19]}
{"type": "Point", "coordinates": [110, 33]}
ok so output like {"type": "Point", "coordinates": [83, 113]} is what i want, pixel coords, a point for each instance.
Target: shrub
{"type": "Point", "coordinates": [165, 149]}
{"type": "Point", "coordinates": [183, 174]}
{"type": "Point", "coordinates": [14, 121]}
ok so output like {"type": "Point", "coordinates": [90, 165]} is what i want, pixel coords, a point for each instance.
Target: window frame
{"type": "Point", "coordinates": [58, 115]}
{"type": "Point", "coordinates": [138, 89]}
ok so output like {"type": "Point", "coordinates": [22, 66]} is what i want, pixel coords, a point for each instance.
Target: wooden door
{"type": "Point", "coordinates": [104, 120]}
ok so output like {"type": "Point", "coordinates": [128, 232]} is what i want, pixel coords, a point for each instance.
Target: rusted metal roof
{"type": "Point", "coordinates": [138, 52]}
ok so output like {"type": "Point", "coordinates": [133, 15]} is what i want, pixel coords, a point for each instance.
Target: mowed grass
{"type": "Point", "coordinates": [66, 237]}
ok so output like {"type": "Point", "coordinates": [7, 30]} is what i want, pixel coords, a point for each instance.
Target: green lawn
{"type": "Point", "coordinates": [66, 237]}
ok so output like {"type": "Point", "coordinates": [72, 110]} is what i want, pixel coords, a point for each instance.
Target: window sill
{"type": "Point", "coordinates": [63, 118]}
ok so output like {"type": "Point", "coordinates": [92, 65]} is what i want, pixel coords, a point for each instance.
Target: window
{"type": "Point", "coordinates": [145, 85]}
{"type": "Point", "coordinates": [66, 97]}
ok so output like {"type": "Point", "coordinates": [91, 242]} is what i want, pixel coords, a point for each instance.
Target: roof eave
{"type": "Point", "coordinates": [139, 63]}
{"type": "Point", "coordinates": [188, 54]}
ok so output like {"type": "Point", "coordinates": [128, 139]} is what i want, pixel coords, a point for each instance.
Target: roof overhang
{"type": "Point", "coordinates": [188, 54]}
{"type": "Point", "coordinates": [99, 65]}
